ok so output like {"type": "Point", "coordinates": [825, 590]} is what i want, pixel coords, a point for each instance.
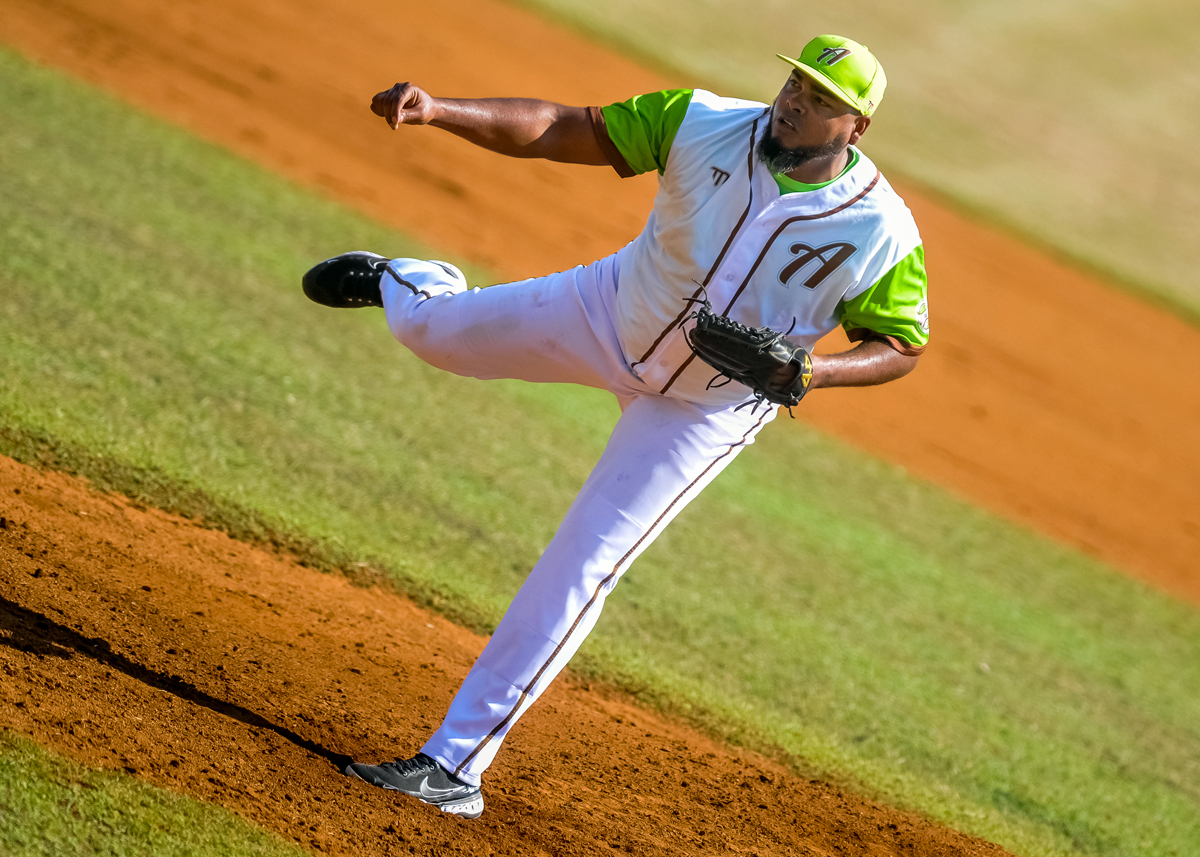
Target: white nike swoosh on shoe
{"type": "Point", "coordinates": [428, 791]}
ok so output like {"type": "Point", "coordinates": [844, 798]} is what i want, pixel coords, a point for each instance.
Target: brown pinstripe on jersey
{"type": "Point", "coordinates": [720, 256]}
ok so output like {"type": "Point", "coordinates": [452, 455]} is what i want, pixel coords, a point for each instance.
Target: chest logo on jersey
{"type": "Point", "coordinates": [719, 176]}
{"type": "Point", "coordinates": [817, 262]}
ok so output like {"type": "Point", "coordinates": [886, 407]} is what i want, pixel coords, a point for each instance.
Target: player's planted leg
{"type": "Point", "coordinates": [662, 454]}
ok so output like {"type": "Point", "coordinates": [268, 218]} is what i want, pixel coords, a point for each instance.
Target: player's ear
{"type": "Point", "coordinates": [861, 123]}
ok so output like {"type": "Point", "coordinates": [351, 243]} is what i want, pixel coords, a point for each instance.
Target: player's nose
{"type": "Point", "coordinates": [796, 104]}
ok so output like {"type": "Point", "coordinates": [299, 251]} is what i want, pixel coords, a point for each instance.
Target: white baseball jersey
{"type": "Point", "coordinates": [721, 229]}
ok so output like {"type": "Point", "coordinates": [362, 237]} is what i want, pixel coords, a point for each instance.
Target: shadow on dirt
{"type": "Point", "coordinates": [29, 631]}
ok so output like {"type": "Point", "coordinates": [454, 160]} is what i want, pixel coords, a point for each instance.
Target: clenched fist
{"type": "Point", "coordinates": [404, 104]}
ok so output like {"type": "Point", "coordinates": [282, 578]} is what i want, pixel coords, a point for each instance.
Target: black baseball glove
{"type": "Point", "coordinates": [755, 356]}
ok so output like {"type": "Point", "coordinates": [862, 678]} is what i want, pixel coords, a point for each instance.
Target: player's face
{"type": "Point", "coordinates": [807, 116]}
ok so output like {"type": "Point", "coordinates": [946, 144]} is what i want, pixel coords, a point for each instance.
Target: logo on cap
{"type": "Point", "coordinates": [833, 56]}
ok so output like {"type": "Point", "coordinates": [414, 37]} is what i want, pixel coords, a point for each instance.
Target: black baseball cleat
{"type": "Point", "coordinates": [426, 780]}
{"type": "Point", "coordinates": [349, 280]}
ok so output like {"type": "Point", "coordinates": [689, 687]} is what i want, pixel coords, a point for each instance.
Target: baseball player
{"type": "Point", "coordinates": [767, 214]}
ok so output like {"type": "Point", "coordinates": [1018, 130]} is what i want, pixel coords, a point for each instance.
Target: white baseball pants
{"type": "Point", "coordinates": [662, 453]}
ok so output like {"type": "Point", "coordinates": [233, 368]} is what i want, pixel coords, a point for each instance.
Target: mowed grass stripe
{"type": "Point", "coordinates": [813, 599]}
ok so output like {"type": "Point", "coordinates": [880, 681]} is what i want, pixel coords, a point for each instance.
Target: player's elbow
{"type": "Point", "coordinates": [891, 360]}
{"type": "Point", "coordinates": [569, 138]}
{"type": "Point", "coordinates": [905, 364]}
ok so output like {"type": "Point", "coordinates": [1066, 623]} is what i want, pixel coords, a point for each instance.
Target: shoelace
{"type": "Point", "coordinates": [376, 271]}
{"type": "Point", "coordinates": [408, 767]}
{"type": "Point", "coordinates": [377, 267]}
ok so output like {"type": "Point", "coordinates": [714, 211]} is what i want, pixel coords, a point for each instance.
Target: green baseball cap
{"type": "Point", "coordinates": [845, 68]}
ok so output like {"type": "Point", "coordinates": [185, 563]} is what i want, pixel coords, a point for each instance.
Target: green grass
{"type": "Point", "coordinates": [1068, 121]}
{"type": "Point", "coordinates": [152, 336]}
{"type": "Point", "coordinates": [51, 807]}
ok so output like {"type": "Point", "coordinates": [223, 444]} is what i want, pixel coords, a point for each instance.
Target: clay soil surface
{"type": "Point", "coordinates": [133, 639]}
{"type": "Point", "coordinates": [1045, 395]}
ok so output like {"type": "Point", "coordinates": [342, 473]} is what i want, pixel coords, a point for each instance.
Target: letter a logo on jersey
{"type": "Point", "coordinates": [833, 56]}
{"type": "Point", "coordinates": [831, 257]}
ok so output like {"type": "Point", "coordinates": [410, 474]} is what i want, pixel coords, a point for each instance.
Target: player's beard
{"type": "Point", "coordinates": [778, 158]}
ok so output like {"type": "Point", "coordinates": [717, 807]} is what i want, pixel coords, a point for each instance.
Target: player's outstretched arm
{"type": "Point", "coordinates": [517, 127]}
{"type": "Point", "coordinates": [868, 363]}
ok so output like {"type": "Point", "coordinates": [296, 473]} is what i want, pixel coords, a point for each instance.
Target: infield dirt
{"type": "Point", "coordinates": [134, 639]}
{"type": "Point", "coordinates": [1045, 396]}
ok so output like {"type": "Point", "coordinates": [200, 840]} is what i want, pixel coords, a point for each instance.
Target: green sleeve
{"type": "Point", "coordinates": [896, 307]}
{"type": "Point", "coordinates": [643, 128]}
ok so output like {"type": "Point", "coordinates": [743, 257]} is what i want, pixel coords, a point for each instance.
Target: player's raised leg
{"type": "Point", "coordinates": [555, 328]}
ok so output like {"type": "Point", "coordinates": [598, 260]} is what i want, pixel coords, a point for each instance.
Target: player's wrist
{"type": "Point", "coordinates": [820, 371]}
{"type": "Point", "coordinates": [436, 110]}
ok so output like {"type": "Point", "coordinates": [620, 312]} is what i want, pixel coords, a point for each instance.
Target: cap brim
{"type": "Point", "coordinates": [834, 90]}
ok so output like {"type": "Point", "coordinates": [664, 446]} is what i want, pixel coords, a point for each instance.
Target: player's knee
{"type": "Point", "coordinates": [427, 339]}
{"type": "Point", "coordinates": [413, 331]}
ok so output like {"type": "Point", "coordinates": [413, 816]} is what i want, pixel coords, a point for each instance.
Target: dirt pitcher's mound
{"type": "Point", "coordinates": [133, 639]}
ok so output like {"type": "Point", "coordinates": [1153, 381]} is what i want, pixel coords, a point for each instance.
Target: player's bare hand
{"type": "Point", "coordinates": [785, 375]}
{"type": "Point", "coordinates": [404, 104]}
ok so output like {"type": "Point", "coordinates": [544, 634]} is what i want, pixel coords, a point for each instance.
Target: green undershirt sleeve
{"type": "Point", "coordinates": [895, 308]}
{"type": "Point", "coordinates": [643, 128]}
